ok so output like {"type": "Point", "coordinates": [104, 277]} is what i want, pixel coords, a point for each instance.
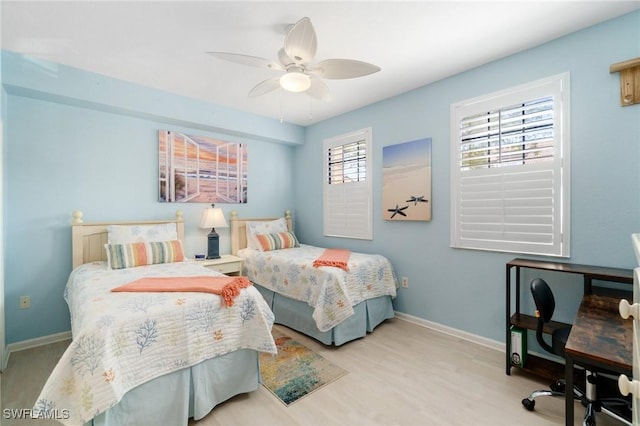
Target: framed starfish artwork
{"type": "Point", "coordinates": [406, 181]}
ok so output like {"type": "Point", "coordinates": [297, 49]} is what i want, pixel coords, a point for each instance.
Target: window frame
{"type": "Point", "coordinates": [498, 235]}
{"type": "Point", "coordinates": [341, 197]}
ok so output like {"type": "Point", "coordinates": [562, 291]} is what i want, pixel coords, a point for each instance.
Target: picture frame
{"type": "Point", "coordinates": [406, 181]}
{"type": "Point", "coordinates": [200, 169]}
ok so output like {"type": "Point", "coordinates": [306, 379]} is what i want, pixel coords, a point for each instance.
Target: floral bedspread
{"type": "Point", "coordinates": [122, 340]}
{"type": "Point", "coordinates": [330, 291]}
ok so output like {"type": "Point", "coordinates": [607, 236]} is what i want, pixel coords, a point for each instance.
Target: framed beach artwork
{"type": "Point", "coordinates": [200, 169]}
{"type": "Point", "coordinates": [406, 181]}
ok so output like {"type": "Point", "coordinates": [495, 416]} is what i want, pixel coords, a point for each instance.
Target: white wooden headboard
{"type": "Point", "coordinates": [239, 229]}
{"type": "Point", "coordinates": [88, 239]}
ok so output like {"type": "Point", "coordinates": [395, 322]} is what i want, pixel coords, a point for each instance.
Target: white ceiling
{"type": "Point", "coordinates": [162, 44]}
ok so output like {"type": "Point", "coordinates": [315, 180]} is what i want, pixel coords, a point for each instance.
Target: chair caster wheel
{"type": "Point", "coordinates": [589, 421]}
{"type": "Point", "coordinates": [557, 386]}
{"type": "Point", "coordinates": [529, 404]}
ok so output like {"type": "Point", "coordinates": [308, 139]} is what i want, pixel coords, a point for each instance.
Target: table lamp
{"type": "Point", "coordinates": [213, 218]}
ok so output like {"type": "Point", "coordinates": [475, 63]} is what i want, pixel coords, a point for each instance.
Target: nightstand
{"type": "Point", "coordinates": [227, 264]}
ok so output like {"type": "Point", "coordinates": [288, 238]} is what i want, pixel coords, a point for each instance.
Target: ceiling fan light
{"type": "Point", "coordinates": [295, 81]}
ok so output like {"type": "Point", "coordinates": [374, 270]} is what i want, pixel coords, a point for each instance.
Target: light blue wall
{"type": "Point", "coordinates": [465, 289]}
{"type": "Point", "coordinates": [77, 140]}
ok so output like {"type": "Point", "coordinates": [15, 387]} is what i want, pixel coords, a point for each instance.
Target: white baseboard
{"type": "Point", "coordinates": [34, 343]}
{"type": "Point", "coordinates": [473, 338]}
{"type": "Point", "coordinates": [490, 343]}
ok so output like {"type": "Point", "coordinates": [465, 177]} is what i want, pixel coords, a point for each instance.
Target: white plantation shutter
{"type": "Point", "coordinates": [510, 170]}
{"type": "Point", "coordinates": [347, 185]}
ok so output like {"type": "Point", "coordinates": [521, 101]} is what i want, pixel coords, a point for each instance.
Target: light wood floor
{"type": "Point", "coordinates": [401, 374]}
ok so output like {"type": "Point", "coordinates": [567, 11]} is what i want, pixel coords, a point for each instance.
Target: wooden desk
{"type": "Point", "coordinates": [516, 318]}
{"type": "Point", "coordinates": [599, 339]}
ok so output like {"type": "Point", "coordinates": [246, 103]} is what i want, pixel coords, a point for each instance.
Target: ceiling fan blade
{"type": "Point", "coordinates": [318, 90]}
{"type": "Point", "coordinates": [251, 61]}
{"type": "Point", "coordinates": [301, 43]}
{"type": "Point", "coordinates": [265, 86]}
{"type": "Point", "coordinates": [343, 68]}
{"type": "Point", "coordinates": [285, 60]}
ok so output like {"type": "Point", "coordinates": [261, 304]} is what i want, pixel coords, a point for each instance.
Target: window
{"type": "Point", "coordinates": [347, 185]}
{"type": "Point", "coordinates": [510, 170]}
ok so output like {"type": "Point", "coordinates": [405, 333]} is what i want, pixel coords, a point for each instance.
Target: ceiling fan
{"type": "Point", "coordinates": [294, 59]}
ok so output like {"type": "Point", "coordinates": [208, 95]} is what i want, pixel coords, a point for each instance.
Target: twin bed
{"type": "Point", "coordinates": [140, 357]}
{"type": "Point", "coordinates": [150, 358]}
{"type": "Point", "coordinates": [331, 305]}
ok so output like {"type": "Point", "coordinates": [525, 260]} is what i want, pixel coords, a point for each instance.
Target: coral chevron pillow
{"type": "Point", "coordinates": [129, 255]}
{"type": "Point", "coordinates": [281, 240]}
{"type": "Point", "coordinates": [263, 227]}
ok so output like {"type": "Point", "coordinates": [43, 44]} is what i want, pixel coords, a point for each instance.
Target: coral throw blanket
{"type": "Point", "coordinates": [227, 287]}
{"type": "Point", "coordinates": [333, 257]}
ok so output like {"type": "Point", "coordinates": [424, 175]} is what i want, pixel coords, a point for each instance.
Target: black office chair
{"type": "Point", "coordinates": [545, 306]}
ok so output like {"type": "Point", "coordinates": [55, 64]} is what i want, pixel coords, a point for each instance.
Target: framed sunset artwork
{"type": "Point", "coordinates": [406, 181]}
{"type": "Point", "coordinates": [200, 169]}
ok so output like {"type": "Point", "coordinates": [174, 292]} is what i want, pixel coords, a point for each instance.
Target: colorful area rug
{"type": "Point", "coordinates": [296, 370]}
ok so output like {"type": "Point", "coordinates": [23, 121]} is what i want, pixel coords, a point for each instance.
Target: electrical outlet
{"type": "Point", "coordinates": [25, 302]}
{"type": "Point", "coordinates": [405, 282]}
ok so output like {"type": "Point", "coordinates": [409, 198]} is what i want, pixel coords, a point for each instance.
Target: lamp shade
{"type": "Point", "coordinates": [213, 217]}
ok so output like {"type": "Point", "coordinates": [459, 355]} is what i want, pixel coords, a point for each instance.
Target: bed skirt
{"type": "Point", "coordinates": [192, 392]}
{"type": "Point", "coordinates": [297, 315]}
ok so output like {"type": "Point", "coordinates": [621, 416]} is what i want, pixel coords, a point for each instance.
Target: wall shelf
{"type": "Point", "coordinates": [629, 80]}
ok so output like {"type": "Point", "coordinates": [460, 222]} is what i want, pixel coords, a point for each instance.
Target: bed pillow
{"type": "Point", "coordinates": [281, 240]}
{"type": "Point", "coordinates": [125, 234]}
{"type": "Point", "coordinates": [263, 227]}
{"type": "Point", "coordinates": [129, 255]}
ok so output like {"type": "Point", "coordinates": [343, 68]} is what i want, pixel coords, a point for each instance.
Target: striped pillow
{"type": "Point", "coordinates": [129, 255]}
{"type": "Point", "coordinates": [281, 240]}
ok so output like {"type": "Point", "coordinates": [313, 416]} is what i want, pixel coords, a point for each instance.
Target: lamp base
{"type": "Point", "coordinates": [213, 245]}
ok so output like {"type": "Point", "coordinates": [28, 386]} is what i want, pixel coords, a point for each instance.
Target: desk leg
{"type": "Point", "coordinates": [507, 338]}
{"type": "Point", "coordinates": [568, 390]}
{"type": "Point", "coordinates": [588, 287]}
